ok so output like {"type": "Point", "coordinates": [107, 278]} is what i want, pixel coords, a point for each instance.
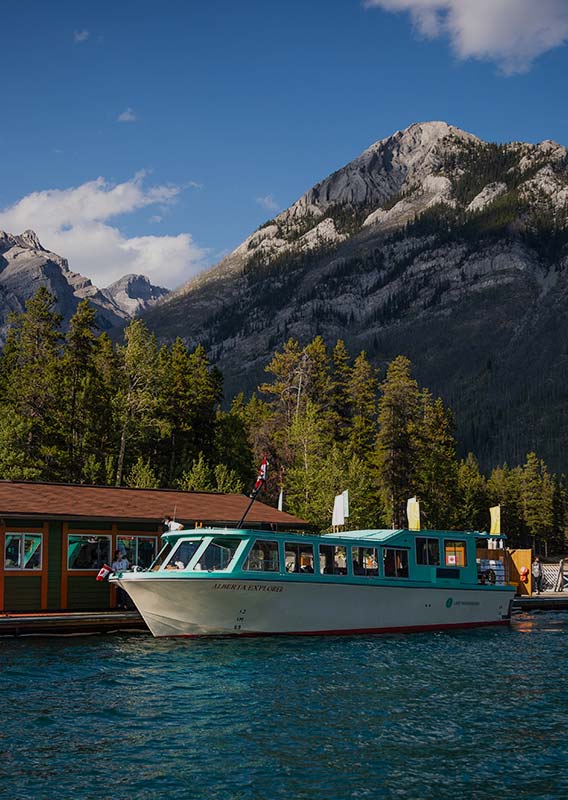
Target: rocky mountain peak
{"type": "Point", "coordinates": [29, 239]}
{"type": "Point", "coordinates": [134, 293]}
{"type": "Point", "coordinates": [432, 243]}
{"type": "Point", "coordinates": [25, 265]}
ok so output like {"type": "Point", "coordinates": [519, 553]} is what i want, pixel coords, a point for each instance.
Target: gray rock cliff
{"type": "Point", "coordinates": [25, 265]}
{"type": "Point", "coordinates": [431, 243]}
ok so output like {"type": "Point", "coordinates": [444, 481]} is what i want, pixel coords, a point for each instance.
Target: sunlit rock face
{"type": "Point", "coordinates": [25, 265]}
{"type": "Point", "coordinates": [431, 243]}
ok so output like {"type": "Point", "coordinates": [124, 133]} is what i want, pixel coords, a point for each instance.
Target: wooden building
{"type": "Point", "coordinates": [55, 537]}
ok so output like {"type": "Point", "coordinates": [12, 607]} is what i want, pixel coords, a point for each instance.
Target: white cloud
{"type": "Point", "coordinates": [511, 33]}
{"type": "Point", "coordinates": [75, 224]}
{"type": "Point", "coordinates": [127, 115]}
{"type": "Point", "coordinates": [268, 202]}
{"type": "Point", "coordinates": [80, 36]}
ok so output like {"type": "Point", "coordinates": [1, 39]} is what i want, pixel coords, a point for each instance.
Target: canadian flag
{"type": "Point", "coordinates": [261, 480]}
{"type": "Point", "coordinates": [104, 572]}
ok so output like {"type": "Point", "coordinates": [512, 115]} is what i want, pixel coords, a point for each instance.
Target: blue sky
{"type": "Point", "coordinates": [155, 136]}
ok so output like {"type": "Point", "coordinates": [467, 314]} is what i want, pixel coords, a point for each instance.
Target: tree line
{"type": "Point", "coordinates": [79, 408]}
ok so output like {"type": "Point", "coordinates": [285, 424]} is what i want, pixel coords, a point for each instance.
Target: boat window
{"type": "Point", "coordinates": [395, 562]}
{"type": "Point", "coordinates": [365, 561]}
{"type": "Point", "coordinates": [161, 557]}
{"type": "Point", "coordinates": [454, 553]}
{"type": "Point", "coordinates": [182, 554]}
{"type": "Point", "coordinates": [218, 554]}
{"type": "Point", "coordinates": [299, 557]}
{"type": "Point", "coordinates": [263, 557]}
{"type": "Point", "coordinates": [333, 559]}
{"type": "Point", "coordinates": [23, 551]}
{"type": "Point", "coordinates": [492, 562]}
{"type": "Point", "coordinates": [427, 551]}
{"type": "Point", "coordinates": [87, 551]}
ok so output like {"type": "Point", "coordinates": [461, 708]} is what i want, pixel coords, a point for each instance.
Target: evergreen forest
{"type": "Point", "coordinates": [79, 408]}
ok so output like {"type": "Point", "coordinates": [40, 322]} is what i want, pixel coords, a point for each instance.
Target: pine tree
{"type": "Point", "coordinates": [397, 450]}
{"type": "Point", "coordinates": [79, 421]}
{"type": "Point", "coordinates": [437, 468]}
{"type": "Point", "coordinates": [135, 401]}
{"type": "Point", "coordinates": [505, 489]}
{"type": "Point", "coordinates": [30, 379]}
{"type": "Point", "coordinates": [341, 403]}
{"type": "Point", "coordinates": [471, 510]}
{"type": "Point", "coordinates": [362, 393]}
{"type": "Point", "coordinates": [198, 478]}
{"type": "Point", "coordinates": [142, 476]}
{"type": "Point", "coordinates": [538, 499]}
{"type": "Point", "coordinates": [310, 443]}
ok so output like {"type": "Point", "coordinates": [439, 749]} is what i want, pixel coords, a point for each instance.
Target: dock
{"type": "Point", "coordinates": [547, 601]}
{"type": "Point", "coordinates": [69, 623]}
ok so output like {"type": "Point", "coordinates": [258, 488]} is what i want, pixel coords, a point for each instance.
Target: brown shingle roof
{"type": "Point", "coordinates": [64, 501]}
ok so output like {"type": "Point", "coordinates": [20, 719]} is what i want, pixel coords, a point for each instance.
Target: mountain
{"type": "Point", "coordinates": [134, 294]}
{"type": "Point", "coordinates": [432, 243]}
{"type": "Point", "coordinates": [25, 265]}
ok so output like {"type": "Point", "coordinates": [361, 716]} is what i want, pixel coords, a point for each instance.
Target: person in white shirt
{"type": "Point", "coordinates": [171, 525]}
{"type": "Point", "coordinates": [120, 564]}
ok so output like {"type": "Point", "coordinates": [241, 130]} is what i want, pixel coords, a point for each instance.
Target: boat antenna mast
{"type": "Point", "coordinates": [258, 486]}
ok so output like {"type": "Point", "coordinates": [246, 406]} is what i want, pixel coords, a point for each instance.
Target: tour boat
{"type": "Point", "coordinates": [229, 582]}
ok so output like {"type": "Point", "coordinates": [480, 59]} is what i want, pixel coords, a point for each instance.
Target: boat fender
{"type": "Point", "coordinates": [524, 573]}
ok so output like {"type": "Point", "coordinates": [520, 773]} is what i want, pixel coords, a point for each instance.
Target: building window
{"type": "Point", "coordinates": [23, 551]}
{"type": "Point", "coordinates": [263, 557]}
{"type": "Point", "coordinates": [140, 551]}
{"type": "Point", "coordinates": [427, 551]}
{"type": "Point", "coordinates": [299, 557]}
{"type": "Point", "coordinates": [454, 554]}
{"type": "Point", "coordinates": [395, 562]}
{"type": "Point", "coordinates": [333, 559]}
{"type": "Point", "coordinates": [87, 551]}
{"type": "Point", "coordinates": [365, 561]}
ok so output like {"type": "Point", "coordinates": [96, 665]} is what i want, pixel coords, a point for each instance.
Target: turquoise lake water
{"type": "Point", "coordinates": [472, 714]}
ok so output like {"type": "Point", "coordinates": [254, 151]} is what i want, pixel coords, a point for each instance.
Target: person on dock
{"type": "Point", "coordinates": [537, 575]}
{"type": "Point", "coordinates": [120, 564]}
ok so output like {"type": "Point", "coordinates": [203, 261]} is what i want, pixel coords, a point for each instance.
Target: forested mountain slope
{"type": "Point", "coordinates": [432, 244]}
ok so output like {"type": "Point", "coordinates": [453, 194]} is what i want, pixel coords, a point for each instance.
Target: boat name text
{"type": "Point", "coordinates": [247, 587]}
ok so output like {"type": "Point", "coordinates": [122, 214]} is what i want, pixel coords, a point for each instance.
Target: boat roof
{"type": "Point", "coordinates": [378, 535]}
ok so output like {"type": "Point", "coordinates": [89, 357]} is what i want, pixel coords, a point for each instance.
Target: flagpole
{"type": "Point", "coordinates": [248, 508]}
{"type": "Point", "coordinates": [260, 482]}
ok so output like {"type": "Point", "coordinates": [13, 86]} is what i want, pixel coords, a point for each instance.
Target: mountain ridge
{"type": "Point", "coordinates": [25, 265]}
{"type": "Point", "coordinates": [431, 243]}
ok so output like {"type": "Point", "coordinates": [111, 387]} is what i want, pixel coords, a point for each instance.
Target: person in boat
{"type": "Point", "coordinates": [120, 564]}
{"type": "Point", "coordinates": [171, 525]}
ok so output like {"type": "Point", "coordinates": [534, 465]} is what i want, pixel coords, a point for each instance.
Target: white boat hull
{"type": "Point", "coordinates": [221, 607]}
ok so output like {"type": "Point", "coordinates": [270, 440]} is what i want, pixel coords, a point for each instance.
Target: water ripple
{"type": "Point", "coordinates": [477, 715]}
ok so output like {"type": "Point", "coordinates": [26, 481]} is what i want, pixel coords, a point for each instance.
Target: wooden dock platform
{"type": "Point", "coordinates": [546, 601]}
{"type": "Point", "coordinates": [49, 623]}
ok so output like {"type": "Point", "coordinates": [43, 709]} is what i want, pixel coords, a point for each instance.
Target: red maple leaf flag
{"type": "Point", "coordinates": [104, 572]}
{"type": "Point", "coordinates": [261, 480]}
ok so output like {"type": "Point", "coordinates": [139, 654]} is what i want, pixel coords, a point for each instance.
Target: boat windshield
{"type": "Point", "coordinates": [218, 554]}
{"type": "Point", "coordinates": [161, 557]}
{"type": "Point", "coordinates": [182, 554]}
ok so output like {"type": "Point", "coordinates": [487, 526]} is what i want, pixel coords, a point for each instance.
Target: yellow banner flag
{"type": "Point", "coordinates": [495, 519]}
{"type": "Point", "coordinates": [413, 514]}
